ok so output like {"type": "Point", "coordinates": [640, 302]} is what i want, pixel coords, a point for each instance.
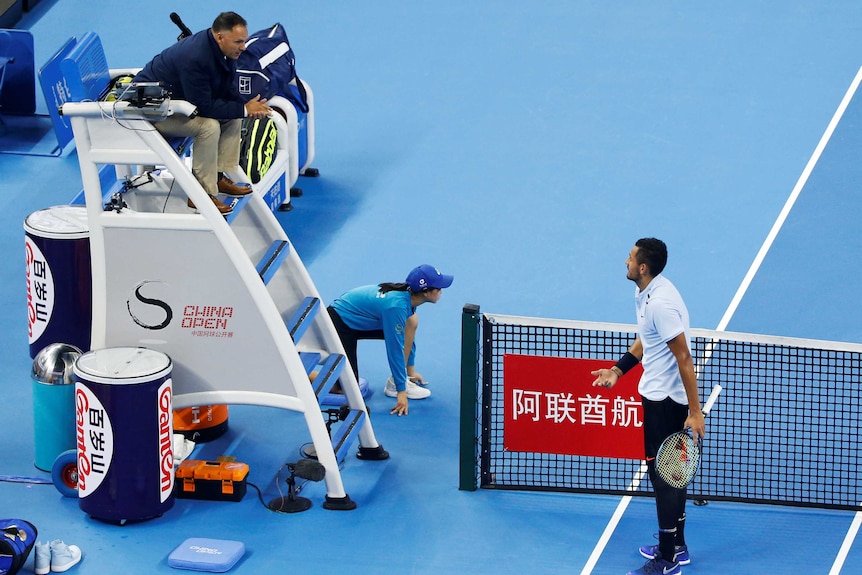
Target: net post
{"type": "Point", "coordinates": [469, 385]}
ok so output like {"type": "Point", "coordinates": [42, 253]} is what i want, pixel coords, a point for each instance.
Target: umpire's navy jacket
{"type": "Point", "coordinates": [195, 70]}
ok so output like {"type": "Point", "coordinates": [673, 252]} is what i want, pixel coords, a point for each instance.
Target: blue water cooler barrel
{"type": "Point", "coordinates": [123, 421]}
{"type": "Point", "coordinates": [59, 284]}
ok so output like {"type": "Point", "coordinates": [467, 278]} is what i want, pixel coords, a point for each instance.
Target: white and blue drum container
{"type": "Point", "coordinates": [59, 282]}
{"type": "Point", "coordinates": [123, 422]}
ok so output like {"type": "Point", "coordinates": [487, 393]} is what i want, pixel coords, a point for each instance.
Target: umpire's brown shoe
{"type": "Point", "coordinates": [228, 188]}
{"type": "Point", "coordinates": [224, 209]}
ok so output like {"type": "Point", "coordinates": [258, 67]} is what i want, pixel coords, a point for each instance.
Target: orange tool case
{"type": "Point", "coordinates": [217, 480]}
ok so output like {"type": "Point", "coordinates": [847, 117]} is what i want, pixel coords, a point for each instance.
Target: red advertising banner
{"type": "Point", "coordinates": [551, 406]}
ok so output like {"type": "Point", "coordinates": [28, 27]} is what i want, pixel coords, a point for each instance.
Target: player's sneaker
{"type": "Point", "coordinates": [658, 566]}
{"type": "Point", "coordinates": [680, 553]}
{"type": "Point", "coordinates": [413, 391]}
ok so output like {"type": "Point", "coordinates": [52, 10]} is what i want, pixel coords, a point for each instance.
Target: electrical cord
{"type": "Point", "coordinates": [297, 489]}
{"type": "Point", "coordinates": [278, 480]}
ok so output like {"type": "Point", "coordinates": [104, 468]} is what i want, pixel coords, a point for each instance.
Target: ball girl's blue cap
{"type": "Point", "coordinates": [425, 276]}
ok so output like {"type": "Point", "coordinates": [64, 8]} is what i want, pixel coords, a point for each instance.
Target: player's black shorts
{"type": "Point", "coordinates": [661, 418]}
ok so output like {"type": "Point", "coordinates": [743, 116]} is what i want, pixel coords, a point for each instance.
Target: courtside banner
{"type": "Point", "coordinates": [550, 406]}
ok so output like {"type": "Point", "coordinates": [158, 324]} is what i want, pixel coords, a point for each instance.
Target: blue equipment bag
{"type": "Point", "coordinates": [17, 538]}
{"type": "Point", "coordinates": [268, 66]}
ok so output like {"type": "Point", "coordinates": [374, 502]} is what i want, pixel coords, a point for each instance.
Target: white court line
{"type": "Point", "coordinates": [612, 524]}
{"type": "Point", "coordinates": [848, 542]}
{"type": "Point", "coordinates": [722, 325]}
{"type": "Point", "coordinates": [803, 179]}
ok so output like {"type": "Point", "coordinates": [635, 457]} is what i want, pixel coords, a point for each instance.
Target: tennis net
{"type": "Point", "coordinates": [785, 430]}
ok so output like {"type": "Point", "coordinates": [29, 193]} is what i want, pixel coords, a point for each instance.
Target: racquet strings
{"type": "Point", "coordinates": [677, 459]}
{"type": "Point", "coordinates": [678, 456]}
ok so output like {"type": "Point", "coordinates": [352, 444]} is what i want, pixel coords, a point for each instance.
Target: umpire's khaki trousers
{"type": "Point", "coordinates": [215, 149]}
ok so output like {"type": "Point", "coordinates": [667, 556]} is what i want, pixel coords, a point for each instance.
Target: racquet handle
{"type": "Point", "coordinates": [712, 397]}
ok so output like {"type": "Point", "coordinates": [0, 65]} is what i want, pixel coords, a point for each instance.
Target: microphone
{"type": "Point", "coordinates": [184, 30]}
{"type": "Point", "coordinates": [292, 503]}
{"type": "Point", "coordinates": [309, 469]}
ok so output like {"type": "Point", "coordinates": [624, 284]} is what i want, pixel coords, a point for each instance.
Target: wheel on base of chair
{"type": "Point", "coordinates": [64, 473]}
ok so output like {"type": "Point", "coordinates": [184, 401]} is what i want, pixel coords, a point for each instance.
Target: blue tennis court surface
{"type": "Point", "coordinates": [821, 226]}
{"type": "Point", "coordinates": [522, 147]}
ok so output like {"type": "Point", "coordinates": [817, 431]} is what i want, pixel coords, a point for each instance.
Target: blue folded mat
{"type": "Point", "coordinates": [203, 554]}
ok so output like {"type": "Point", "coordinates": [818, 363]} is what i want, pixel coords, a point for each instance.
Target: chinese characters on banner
{"type": "Point", "coordinates": [550, 406]}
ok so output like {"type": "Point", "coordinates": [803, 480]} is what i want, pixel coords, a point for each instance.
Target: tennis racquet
{"type": "Point", "coordinates": [678, 456]}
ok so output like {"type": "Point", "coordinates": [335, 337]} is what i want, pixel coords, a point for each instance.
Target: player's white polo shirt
{"type": "Point", "coordinates": [662, 316]}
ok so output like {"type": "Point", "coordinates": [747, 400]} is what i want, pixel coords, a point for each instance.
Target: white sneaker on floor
{"type": "Point", "coordinates": [42, 559]}
{"type": "Point", "coordinates": [64, 557]}
{"type": "Point", "coordinates": [413, 391]}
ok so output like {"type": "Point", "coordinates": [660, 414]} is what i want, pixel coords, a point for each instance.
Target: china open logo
{"type": "Point", "coordinates": [147, 310]}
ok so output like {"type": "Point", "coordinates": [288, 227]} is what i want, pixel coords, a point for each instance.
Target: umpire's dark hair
{"type": "Point", "coordinates": [653, 253]}
{"type": "Point", "coordinates": [227, 20]}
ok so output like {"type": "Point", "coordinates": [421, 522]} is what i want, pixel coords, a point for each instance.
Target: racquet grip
{"type": "Point", "coordinates": [712, 397]}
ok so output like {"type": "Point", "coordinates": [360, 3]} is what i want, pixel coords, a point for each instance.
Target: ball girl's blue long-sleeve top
{"type": "Point", "coordinates": [366, 308]}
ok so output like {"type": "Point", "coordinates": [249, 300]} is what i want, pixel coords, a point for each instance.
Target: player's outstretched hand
{"type": "Point", "coordinates": [606, 378]}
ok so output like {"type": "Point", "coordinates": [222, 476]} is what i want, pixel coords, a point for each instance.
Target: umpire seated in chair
{"type": "Point", "coordinates": [201, 69]}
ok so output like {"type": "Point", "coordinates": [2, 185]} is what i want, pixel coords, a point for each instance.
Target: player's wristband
{"type": "Point", "coordinates": [626, 362]}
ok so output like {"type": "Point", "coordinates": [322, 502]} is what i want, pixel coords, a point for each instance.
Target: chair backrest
{"type": "Point", "coordinates": [5, 44]}
{"type": "Point", "coordinates": [17, 73]}
{"type": "Point", "coordinates": [85, 69]}
{"type": "Point", "coordinates": [77, 72]}
{"type": "Point", "coordinates": [6, 57]}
